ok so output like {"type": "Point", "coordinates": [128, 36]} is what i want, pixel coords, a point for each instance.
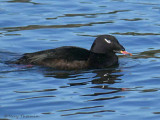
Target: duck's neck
{"type": "Point", "coordinates": [97, 60]}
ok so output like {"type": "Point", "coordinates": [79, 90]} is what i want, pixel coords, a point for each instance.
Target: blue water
{"type": "Point", "coordinates": [129, 92]}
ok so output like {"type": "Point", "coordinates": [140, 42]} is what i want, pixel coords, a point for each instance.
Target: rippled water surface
{"type": "Point", "coordinates": [129, 92]}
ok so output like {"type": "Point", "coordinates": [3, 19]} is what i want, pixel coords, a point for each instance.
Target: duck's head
{"type": "Point", "coordinates": [107, 44]}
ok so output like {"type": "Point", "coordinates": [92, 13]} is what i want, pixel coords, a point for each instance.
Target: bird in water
{"type": "Point", "coordinates": [102, 54]}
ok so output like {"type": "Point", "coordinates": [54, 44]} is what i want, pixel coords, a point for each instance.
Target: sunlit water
{"type": "Point", "coordinates": [129, 92]}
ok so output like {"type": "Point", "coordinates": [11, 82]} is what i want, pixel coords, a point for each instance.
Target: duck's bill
{"type": "Point", "coordinates": [126, 53]}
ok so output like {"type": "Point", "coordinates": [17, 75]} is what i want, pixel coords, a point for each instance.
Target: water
{"type": "Point", "coordinates": [129, 92]}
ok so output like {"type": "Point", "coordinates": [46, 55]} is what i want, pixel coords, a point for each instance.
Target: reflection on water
{"type": "Point", "coordinates": [150, 54]}
{"type": "Point", "coordinates": [133, 33]}
{"type": "Point", "coordinates": [31, 27]}
{"type": "Point", "coordinates": [23, 1]}
{"type": "Point", "coordinates": [127, 91]}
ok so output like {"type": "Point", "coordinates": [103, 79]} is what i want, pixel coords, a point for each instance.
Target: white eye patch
{"type": "Point", "coordinates": [108, 41]}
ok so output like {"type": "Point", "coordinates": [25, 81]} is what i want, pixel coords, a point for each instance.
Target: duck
{"type": "Point", "coordinates": [102, 54]}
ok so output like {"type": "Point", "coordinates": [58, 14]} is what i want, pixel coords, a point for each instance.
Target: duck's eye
{"type": "Point", "coordinates": [108, 41]}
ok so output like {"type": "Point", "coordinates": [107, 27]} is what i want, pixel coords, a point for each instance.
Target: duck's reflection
{"type": "Point", "coordinates": [101, 76]}
{"type": "Point", "coordinates": [98, 82]}
{"type": "Point", "coordinates": [109, 76]}
{"type": "Point", "coordinates": [102, 80]}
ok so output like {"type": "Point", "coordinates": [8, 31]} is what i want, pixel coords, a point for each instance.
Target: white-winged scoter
{"type": "Point", "coordinates": [101, 55]}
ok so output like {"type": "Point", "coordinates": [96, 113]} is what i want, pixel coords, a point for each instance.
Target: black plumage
{"type": "Point", "coordinates": [101, 55]}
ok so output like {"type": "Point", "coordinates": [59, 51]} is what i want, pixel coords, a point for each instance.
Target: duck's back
{"type": "Point", "coordinates": [67, 57]}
